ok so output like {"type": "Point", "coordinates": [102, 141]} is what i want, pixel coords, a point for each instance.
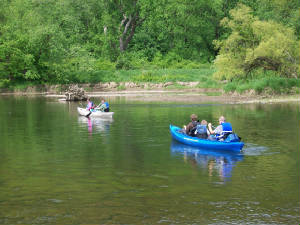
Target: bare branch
{"type": "Point", "coordinates": [122, 22]}
{"type": "Point", "coordinates": [127, 25]}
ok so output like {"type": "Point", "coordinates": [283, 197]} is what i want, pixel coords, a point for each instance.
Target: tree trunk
{"type": "Point", "coordinates": [128, 25]}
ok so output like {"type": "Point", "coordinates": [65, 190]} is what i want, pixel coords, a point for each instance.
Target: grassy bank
{"type": "Point", "coordinates": [201, 74]}
{"type": "Point", "coordinates": [271, 84]}
{"type": "Point", "coordinates": [268, 85]}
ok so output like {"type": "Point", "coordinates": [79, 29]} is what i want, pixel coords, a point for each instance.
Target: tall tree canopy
{"type": "Point", "coordinates": [59, 41]}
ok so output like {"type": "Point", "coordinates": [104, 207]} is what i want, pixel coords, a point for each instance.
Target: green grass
{"type": "Point", "coordinates": [22, 87]}
{"type": "Point", "coordinates": [121, 88]}
{"type": "Point", "coordinates": [154, 76]}
{"type": "Point", "coordinates": [273, 84]}
{"type": "Point", "coordinates": [213, 93]}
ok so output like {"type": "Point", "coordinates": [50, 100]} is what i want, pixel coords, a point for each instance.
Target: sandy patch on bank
{"type": "Point", "coordinates": [188, 97]}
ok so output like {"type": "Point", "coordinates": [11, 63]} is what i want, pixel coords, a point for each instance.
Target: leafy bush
{"type": "Point", "coordinates": [259, 85]}
{"type": "Point", "coordinates": [132, 60]}
{"type": "Point", "coordinates": [121, 88]}
{"type": "Point", "coordinates": [149, 76]}
{"type": "Point", "coordinates": [4, 83]}
{"type": "Point", "coordinates": [243, 87]}
{"type": "Point", "coordinates": [230, 87]}
{"type": "Point", "coordinates": [255, 44]}
{"type": "Point", "coordinates": [104, 64]}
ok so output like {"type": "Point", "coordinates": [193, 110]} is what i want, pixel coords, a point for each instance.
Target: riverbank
{"type": "Point", "coordinates": [162, 92]}
{"type": "Point", "coordinates": [194, 97]}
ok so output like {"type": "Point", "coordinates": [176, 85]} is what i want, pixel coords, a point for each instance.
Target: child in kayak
{"type": "Point", "coordinates": [90, 105]}
{"type": "Point", "coordinates": [201, 130]}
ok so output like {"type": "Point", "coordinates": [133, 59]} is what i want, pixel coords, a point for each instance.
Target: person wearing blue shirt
{"type": "Point", "coordinates": [104, 107]}
{"type": "Point", "coordinates": [221, 131]}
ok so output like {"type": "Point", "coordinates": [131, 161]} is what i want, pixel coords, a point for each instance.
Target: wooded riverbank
{"type": "Point", "coordinates": [62, 42]}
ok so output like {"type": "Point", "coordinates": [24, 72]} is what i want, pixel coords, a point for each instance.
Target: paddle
{"type": "Point", "coordinates": [89, 114]}
{"type": "Point", "coordinates": [92, 111]}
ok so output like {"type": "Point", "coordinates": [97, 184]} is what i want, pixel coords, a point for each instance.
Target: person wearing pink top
{"type": "Point", "coordinates": [90, 105]}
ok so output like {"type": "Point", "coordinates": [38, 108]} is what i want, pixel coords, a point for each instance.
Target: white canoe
{"type": "Point", "coordinates": [84, 112]}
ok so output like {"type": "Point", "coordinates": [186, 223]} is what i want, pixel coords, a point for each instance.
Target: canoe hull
{"type": "Point", "coordinates": [202, 143]}
{"type": "Point", "coordinates": [84, 112]}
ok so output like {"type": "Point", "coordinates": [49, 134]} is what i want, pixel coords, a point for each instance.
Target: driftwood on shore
{"type": "Point", "coordinates": [75, 93]}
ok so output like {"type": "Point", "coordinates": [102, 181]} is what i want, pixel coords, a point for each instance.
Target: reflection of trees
{"type": "Point", "coordinates": [36, 133]}
{"type": "Point", "coordinates": [249, 120]}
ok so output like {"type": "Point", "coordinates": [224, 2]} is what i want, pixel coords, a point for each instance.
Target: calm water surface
{"type": "Point", "coordinates": [59, 168]}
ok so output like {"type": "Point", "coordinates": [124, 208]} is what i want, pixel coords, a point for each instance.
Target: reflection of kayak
{"type": "Point", "coordinates": [84, 112]}
{"type": "Point", "coordinates": [97, 123]}
{"type": "Point", "coordinates": [203, 143]}
{"type": "Point", "coordinates": [220, 161]}
{"type": "Point", "coordinates": [231, 156]}
{"type": "Point", "coordinates": [96, 120]}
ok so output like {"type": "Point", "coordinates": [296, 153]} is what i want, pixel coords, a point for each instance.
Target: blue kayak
{"type": "Point", "coordinates": [203, 143]}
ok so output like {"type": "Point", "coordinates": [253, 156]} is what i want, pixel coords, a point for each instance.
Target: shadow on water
{"type": "Point", "coordinates": [218, 161]}
{"type": "Point", "coordinates": [101, 125]}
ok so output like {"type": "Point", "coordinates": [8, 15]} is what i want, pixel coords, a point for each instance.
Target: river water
{"type": "Point", "coordinates": [59, 168]}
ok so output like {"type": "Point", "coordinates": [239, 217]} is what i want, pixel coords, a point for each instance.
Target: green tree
{"type": "Point", "coordinates": [286, 12]}
{"type": "Point", "coordinates": [183, 29]}
{"type": "Point", "coordinates": [120, 20]}
{"type": "Point", "coordinates": [16, 61]}
{"type": "Point", "coordinates": [254, 44]}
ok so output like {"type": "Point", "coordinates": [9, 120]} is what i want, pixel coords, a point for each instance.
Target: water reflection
{"type": "Point", "coordinates": [215, 162]}
{"type": "Point", "coordinates": [96, 124]}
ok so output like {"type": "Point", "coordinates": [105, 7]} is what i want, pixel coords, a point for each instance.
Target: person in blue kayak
{"type": "Point", "coordinates": [201, 130]}
{"type": "Point", "coordinates": [104, 107]}
{"type": "Point", "coordinates": [90, 105]}
{"type": "Point", "coordinates": [190, 128]}
{"type": "Point", "coordinates": [222, 130]}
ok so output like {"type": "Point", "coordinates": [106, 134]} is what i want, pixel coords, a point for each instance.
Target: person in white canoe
{"type": "Point", "coordinates": [103, 106]}
{"type": "Point", "coordinates": [90, 105]}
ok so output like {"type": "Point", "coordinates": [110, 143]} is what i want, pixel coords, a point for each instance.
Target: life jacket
{"type": "Point", "coordinates": [201, 131]}
{"type": "Point", "coordinates": [106, 105]}
{"type": "Point", "coordinates": [226, 130]}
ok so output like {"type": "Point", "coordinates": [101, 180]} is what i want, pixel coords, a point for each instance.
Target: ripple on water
{"type": "Point", "coordinates": [55, 200]}
{"type": "Point", "coordinates": [254, 150]}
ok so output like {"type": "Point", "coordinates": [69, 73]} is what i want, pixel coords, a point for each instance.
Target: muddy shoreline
{"type": "Point", "coordinates": [193, 96]}
{"type": "Point", "coordinates": [161, 92]}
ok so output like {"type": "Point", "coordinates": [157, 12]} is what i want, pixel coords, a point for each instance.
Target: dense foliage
{"type": "Point", "coordinates": [256, 45]}
{"type": "Point", "coordinates": [49, 41]}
